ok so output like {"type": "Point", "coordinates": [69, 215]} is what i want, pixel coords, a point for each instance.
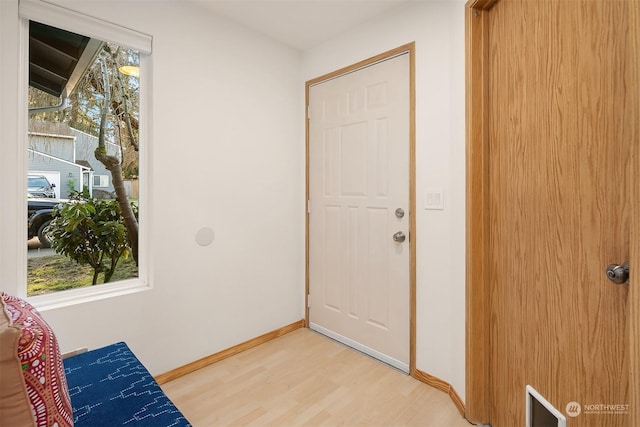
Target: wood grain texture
{"type": "Point", "coordinates": [481, 4]}
{"type": "Point", "coordinates": [559, 207]}
{"type": "Point", "coordinates": [412, 207]}
{"type": "Point", "coordinates": [304, 378]}
{"type": "Point", "coordinates": [216, 357]}
{"type": "Point", "coordinates": [634, 290]}
{"type": "Point", "coordinates": [409, 47]}
{"type": "Point", "coordinates": [443, 386]}
{"type": "Point", "coordinates": [478, 407]}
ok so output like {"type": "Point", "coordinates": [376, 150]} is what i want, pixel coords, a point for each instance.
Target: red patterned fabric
{"type": "Point", "coordinates": [41, 365]}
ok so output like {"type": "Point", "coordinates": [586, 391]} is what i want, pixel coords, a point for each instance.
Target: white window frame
{"type": "Point", "coordinates": [70, 20]}
{"type": "Point", "coordinates": [103, 181]}
{"type": "Point", "coordinates": [61, 17]}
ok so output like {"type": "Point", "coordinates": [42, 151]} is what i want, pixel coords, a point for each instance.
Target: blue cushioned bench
{"type": "Point", "coordinates": [110, 387]}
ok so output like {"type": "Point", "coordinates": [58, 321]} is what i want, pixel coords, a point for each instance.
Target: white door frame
{"type": "Point", "coordinates": [410, 49]}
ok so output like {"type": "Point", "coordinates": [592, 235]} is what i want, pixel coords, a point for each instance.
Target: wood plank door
{"type": "Point", "coordinates": [359, 145]}
{"type": "Point", "coordinates": [553, 134]}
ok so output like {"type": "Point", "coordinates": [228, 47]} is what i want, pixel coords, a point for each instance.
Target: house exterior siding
{"type": "Point", "coordinates": [60, 146]}
{"type": "Point", "coordinates": [85, 146]}
{"type": "Point", "coordinates": [70, 173]}
{"type": "Point", "coordinates": [69, 151]}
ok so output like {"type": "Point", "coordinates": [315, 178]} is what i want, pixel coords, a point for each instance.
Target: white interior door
{"type": "Point", "coordinates": [359, 156]}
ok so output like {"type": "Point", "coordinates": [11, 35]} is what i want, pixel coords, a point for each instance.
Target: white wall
{"type": "Point", "coordinates": [438, 31]}
{"type": "Point", "coordinates": [226, 142]}
{"type": "Point", "coordinates": [228, 152]}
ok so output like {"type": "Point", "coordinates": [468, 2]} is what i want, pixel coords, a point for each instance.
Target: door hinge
{"type": "Point", "coordinates": [308, 300]}
{"type": "Point", "coordinates": [309, 111]}
{"type": "Point", "coordinates": [308, 206]}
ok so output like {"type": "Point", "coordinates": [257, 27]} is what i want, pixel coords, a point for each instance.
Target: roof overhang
{"type": "Point", "coordinates": [58, 58]}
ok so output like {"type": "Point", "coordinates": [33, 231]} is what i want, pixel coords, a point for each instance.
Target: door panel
{"type": "Point", "coordinates": [359, 277]}
{"type": "Point", "coordinates": [560, 151]}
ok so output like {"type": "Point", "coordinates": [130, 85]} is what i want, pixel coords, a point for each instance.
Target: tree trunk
{"type": "Point", "coordinates": [113, 165]}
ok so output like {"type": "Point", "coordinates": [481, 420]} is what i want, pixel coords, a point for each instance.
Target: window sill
{"type": "Point", "coordinates": [88, 294]}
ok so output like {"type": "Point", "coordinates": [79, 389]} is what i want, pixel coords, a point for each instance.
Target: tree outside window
{"type": "Point", "coordinates": [87, 138]}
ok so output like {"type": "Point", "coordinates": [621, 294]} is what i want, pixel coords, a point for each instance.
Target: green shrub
{"type": "Point", "coordinates": [91, 232]}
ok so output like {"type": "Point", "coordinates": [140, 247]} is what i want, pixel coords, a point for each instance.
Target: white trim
{"type": "Point", "coordinates": [51, 135]}
{"type": "Point", "coordinates": [73, 21]}
{"type": "Point", "coordinates": [70, 20]}
{"type": "Point", "coordinates": [145, 161]}
{"type": "Point", "coordinates": [23, 161]}
{"type": "Point", "coordinates": [404, 367]}
{"type": "Point", "coordinates": [532, 393]}
{"type": "Point", "coordinates": [103, 181]}
{"type": "Point", "coordinates": [87, 294]}
{"type": "Point", "coordinates": [57, 159]}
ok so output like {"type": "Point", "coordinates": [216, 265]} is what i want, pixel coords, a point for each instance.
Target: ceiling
{"type": "Point", "coordinates": [301, 24]}
{"type": "Point", "coordinates": [58, 58]}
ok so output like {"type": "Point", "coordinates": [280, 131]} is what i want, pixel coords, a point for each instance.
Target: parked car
{"type": "Point", "coordinates": [39, 186]}
{"type": "Point", "coordinates": [40, 214]}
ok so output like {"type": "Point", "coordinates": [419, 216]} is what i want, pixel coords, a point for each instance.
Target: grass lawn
{"type": "Point", "coordinates": [57, 273]}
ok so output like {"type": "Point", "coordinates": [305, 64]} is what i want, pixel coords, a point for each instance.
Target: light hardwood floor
{"type": "Point", "coordinates": [304, 378]}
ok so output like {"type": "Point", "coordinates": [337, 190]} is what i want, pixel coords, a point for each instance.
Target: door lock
{"type": "Point", "coordinates": [618, 274]}
{"type": "Point", "coordinates": [399, 237]}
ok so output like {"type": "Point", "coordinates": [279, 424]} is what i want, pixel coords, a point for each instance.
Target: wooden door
{"type": "Point", "coordinates": [359, 145]}
{"type": "Point", "coordinates": [552, 133]}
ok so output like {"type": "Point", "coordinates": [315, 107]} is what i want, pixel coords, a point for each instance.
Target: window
{"type": "Point", "coordinates": [100, 181]}
{"type": "Point", "coordinates": [84, 126]}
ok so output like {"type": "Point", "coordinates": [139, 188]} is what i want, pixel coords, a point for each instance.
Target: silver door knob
{"type": "Point", "coordinates": [618, 274]}
{"type": "Point", "coordinates": [399, 237]}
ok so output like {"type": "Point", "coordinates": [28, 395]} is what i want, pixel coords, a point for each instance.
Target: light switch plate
{"type": "Point", "coordinates": [434, 199]}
